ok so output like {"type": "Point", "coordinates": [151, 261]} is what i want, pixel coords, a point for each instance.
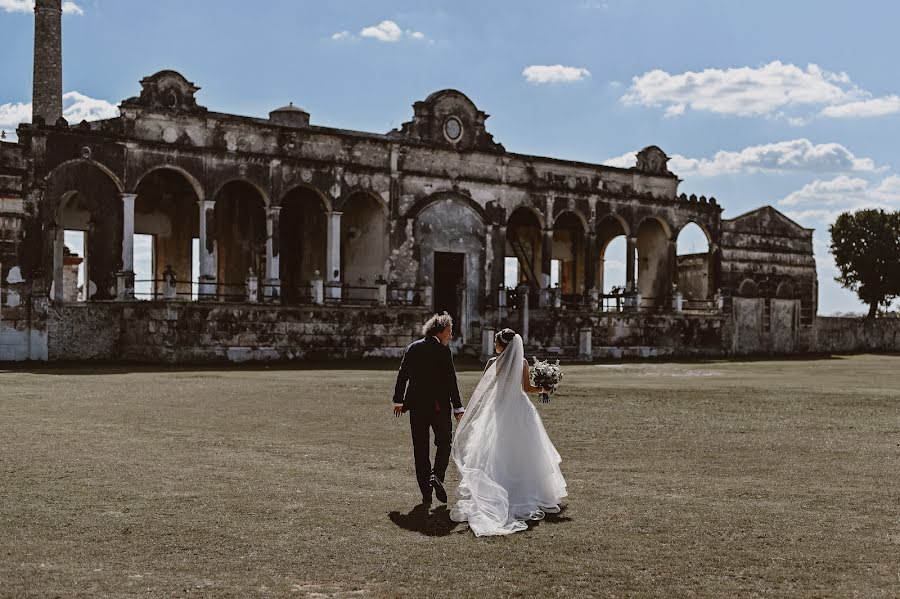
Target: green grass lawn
{"type": "Point", "coordinates": [753, 479]}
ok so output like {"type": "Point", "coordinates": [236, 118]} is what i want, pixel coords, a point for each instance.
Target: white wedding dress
{"type": "Point", "coordinates": [509, 470]}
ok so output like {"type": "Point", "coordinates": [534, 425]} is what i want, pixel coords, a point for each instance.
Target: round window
{"type": "Point", "coordinates": [453, 128]}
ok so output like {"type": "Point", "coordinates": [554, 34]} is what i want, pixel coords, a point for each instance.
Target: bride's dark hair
{"type": "Point", "coordinates": [505, 337]}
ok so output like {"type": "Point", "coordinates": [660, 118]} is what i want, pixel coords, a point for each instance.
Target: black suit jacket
{"type": "Point", "coordinates": [427, 367]}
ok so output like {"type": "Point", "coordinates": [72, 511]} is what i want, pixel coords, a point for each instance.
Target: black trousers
{"type": "Point", "coordinates": [421, 422]}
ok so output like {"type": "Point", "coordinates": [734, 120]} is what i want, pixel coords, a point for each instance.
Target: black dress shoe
{"type": "Point", "coordinates": [439, 491]}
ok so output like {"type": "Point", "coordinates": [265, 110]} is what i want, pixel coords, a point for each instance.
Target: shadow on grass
{"type": "Point", "coordinates": [437, 523]}
{"type": "Point", "coordinates": [559, 518]}
{"type": "Point", "coordinates": [423, 520]}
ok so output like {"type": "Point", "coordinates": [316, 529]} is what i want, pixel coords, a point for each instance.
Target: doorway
{"type": "Point", "coordinates": [449, 286]}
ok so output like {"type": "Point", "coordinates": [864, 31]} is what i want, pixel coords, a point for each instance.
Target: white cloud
{"type": "Point", "coordinates": [539, 74]}
{"type": "Point", "coordinates": [77, 107]}
{"type": "Point", "coordinates": [798, 155]}
{"type": "Point", "coordinates": [768, 90]}
{"type": "Point", "coordinates": [69, 8]}
{"type": "Point", "coordinates": [822, 200]}
{"type": "Point", "coordinates": [874, 107]}
{"type": "Point", "coordinates": [386, 31]}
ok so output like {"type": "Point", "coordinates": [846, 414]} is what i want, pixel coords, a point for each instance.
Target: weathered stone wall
{"type": "Point", "coordinates": [767, 326]}
{"type": "Point", "coordinates": [79, 332]}
{"type": "Point", "coordinates": [773, 255]}
{"type": "Point", "coordinates": [617, 335]}
{"type": "Point", "coordinates": [849, 335]}
{"type": "Point", "coordinates": [199, 332]}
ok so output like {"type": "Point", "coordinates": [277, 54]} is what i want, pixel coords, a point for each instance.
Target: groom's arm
{"type": "Point", "coordinates": [454, 387]}
{"type": "Point", "coordinates": [402, 380]}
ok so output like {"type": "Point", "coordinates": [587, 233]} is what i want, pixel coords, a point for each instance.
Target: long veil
{"type": "Point", "coordinates": [509, 469]}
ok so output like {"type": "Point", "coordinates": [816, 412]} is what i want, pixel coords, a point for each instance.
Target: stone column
{"type": "Point", "coordinates": [126, 276]}
{"type": "Point", "coordinates": [585, 346]}
{"type": "Point", "coordinates": [498, 243]}
{"type": "Point", "coordinates": [487, 343]}
{"type": "Point", "coordinates": [590, 262]}
{"type": "Point", "coordinates": [333, 255]}
{"type": "Point", "coordinates": [207, 279]}
{"type": "Point", "coordinates": [524, 317]}
{"type": "Point", "coordinates": [630, 274]}
{"type": "Point", "coordinates": [673, 264]}
{"type": "Point", "coordinates": [546, 262]}
{"type": "Point", "coordinates": [58, 287]}
{"type": "Point", "coordinates": [272, 279]}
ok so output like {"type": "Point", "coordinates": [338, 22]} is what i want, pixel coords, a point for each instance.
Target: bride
{"type": "Point", "coordinates": [509, 469]}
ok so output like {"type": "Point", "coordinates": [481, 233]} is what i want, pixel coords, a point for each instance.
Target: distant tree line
{"type": "Point", "coordinates": [866, 249]}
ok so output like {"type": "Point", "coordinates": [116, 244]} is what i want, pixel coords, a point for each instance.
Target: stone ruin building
{"type": "Point", "coordinates": [279, 238]}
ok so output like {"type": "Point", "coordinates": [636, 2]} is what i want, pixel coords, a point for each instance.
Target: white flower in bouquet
{"type": "Point", "coordinates": [546, 375]}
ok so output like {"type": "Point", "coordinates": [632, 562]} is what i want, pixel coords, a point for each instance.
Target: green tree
{"type": "Point", "coordinates": [866, 249]}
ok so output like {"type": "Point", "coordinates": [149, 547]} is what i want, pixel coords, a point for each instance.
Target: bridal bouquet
{"type": "Point", "coordinates": [546, 375]}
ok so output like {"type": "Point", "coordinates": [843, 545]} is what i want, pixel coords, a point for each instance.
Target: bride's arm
{"type": "Point", "coordinates": [489, 362]}
{"type": "Point", "coordinates": [526, 380]}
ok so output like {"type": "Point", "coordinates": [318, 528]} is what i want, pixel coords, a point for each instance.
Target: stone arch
{"type": "Point", "coordinates": [365, 243]}
{"type": "Point", "coordinates": [748, 288]}
{"type": "Point", "coordinates": [527, 206]}
{"type": "Point", "coordinates": [303, 239]}
{"type": "Point", "coordinates": [192, 180]}
{"type": "Point", "coordinates": [456, 196]}
{"type": "Point", "coordinates": [263, 194]}
{"type": "Point", "coordinates": [654, 274]}
{"type": "Point", "coordinates": [693, 261]}
{"type": "Point", "coordinates": [84, 195]}
{"type": "Point", "coordinates": [340, 203]}
{"type": "Point", "coordinates": [69, 176]}
{"type": "Point", "coordinates": [240, 235]}
{"type": "Point", "coordinates": [167, 209]}
{"type": "Point", "coordinates": [612, 231]}
{"type": "Point", "coordinates": [577, 215]}
{"type": "Point", "coordinates": [569, 248]}
{"type": "Point", "coordinates": [524, 239]}
{"type": "Point", "coordinates": [785, 290]}
{"type": "Point", "coordinates": [449, 236]}
{"type": "Point", "coordinates": [324, 198]}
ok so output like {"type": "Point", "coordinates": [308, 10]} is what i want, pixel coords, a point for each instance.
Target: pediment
{"type": "Point", "coordinates": [167, 90]}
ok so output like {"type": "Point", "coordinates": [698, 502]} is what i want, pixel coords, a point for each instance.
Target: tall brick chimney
{"type": "Point", "coordinates": [47, 90]}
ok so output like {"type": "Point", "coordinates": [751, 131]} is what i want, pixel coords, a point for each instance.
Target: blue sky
{"type": "Point", "coordinates": [794, 104]}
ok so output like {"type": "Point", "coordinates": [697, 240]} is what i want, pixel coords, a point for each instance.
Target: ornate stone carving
{"type": "Point", "coordinates": [167, 90]}
{"type": "Point", "coordinates": [449, 118]}
{"type": "Point", "coordinates": [653, 160]}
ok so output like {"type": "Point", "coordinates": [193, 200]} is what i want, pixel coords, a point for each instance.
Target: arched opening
{"type": "Point", "coordinates": [785, 290]}
{"type": "Point", "coordinates": [612, 251]}
{"type": "Point", "coordinates": [522, 262]}
{"type": "Point", "coordinates": [303, 232]}
{"type": "Point", "coordinates": [166, 225]}
{"type": "Point", "coordinates": [364, 251]}
{"type": "Point", "coordinates": [240, 223]}
{"type": "Point", "coordinates": [653, 276]}
{"type": "Point", "coordinates": [88, 216]}
{"type": "Point", "coordinates": [693, 263]}
{"type": "Point", "coordinates": [567, 265]}
{"type": "Point", "coordinates": [451, 242]}
{"type": "Point", "coordinates": [748, 288]}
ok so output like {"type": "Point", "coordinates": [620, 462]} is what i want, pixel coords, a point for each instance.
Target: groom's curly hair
{"type": "Point", "coordinates": [436, 324]}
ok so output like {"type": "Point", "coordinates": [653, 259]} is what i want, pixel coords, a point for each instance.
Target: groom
{"type": "Point", "coordinates": [427, 367]}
